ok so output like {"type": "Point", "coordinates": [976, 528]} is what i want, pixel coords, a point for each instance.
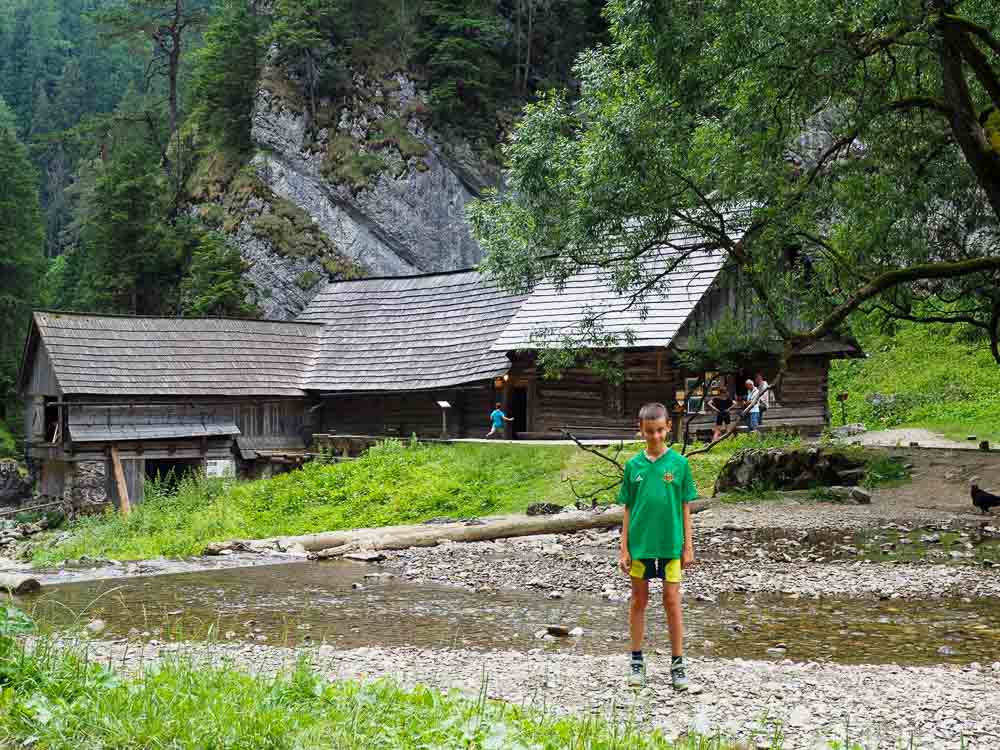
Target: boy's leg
{"type": "Point", "coordinates": [675, 622]}
{"type": "Point", "coordinates": [675, 617]}
{"type": "Point", "coordinates": [637, 612]}
{"type": "Point", "coordinates": [637, 628]}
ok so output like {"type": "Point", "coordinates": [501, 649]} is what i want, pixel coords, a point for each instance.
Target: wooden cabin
{"type": "Point", "coordinates": [392, 350]}
{"type": "Point", "coordinates": [112, 401]}
{"type": "Point", "coordinates": [687, 302]}
{"type": "Point", "coordinates": [115, 400]}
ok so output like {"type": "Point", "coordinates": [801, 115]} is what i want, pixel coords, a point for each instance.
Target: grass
{"type": "Point", "coordinates": [926, 376]}
{"type": "Point", "coordinates": [391, 484]}
{"type": "Point", "coordinates": [53, 697]}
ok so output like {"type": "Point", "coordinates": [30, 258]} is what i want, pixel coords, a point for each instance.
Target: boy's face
{"type": "Point", "coordinates": [654, 432]}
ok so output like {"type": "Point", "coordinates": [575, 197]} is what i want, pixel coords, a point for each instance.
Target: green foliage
{"type": "Point", "coordinates": [346, 162]}
{"type": "Point", "coordinates": [461, 45]}
{"type": "Point", "coordinates": [21, 261]}
{"type": "Point", "coordinates": [810, 161]}
{"type": "Point", "coordinates": [13, 623]}
{"type": "Point", "coordinates": [8, 445]}
{"type": "Point", "coordinates": [134, 255]}
{"type": "Point", "coordinates": [227, 69]}
{"type": "Point", "coordinates": [307, 280]}
{"type": "Point", "coordinates": [58, 699]}
{"type": "Point", "coordinates": [392, 131]}
{"type": "Point", "coordinates": [391, 484]}
{"type": "Point", "coordinates": [728, 345]}
{"type": "Point", "coordinates": [920, 376]}
{"type": "Point", "coordinates": [214, 283]}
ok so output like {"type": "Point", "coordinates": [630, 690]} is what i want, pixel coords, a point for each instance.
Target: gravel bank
{"type": "Point", "coordinates": [809, 703]}
{"type": "Point", "coordinates": [587, 563]}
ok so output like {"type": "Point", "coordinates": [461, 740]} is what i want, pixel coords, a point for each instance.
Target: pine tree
{"type": "Point", "coordinates": [21, 242]}
{"type": "Point", "coordinates": [460, 46]}
{"type": "Point", "coordinates": [226, 73]}
{"type": "Point", "coordinates": [214, 283]}
{"type": "Point", "coordinates": [133, 254]}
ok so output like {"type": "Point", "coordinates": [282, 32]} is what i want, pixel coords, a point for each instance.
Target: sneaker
{"type": "Point", "coordinates": [637, 674]}
{"type": "Point", "coordinates": [678, 677]}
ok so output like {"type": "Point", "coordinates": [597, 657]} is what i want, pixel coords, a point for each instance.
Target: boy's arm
{"type": "Point", "coordinates": [690, 493]}
{"type": "Point", "coordinates": [687, 556]}
{"type": "Point", "coordinates": [624, 562]}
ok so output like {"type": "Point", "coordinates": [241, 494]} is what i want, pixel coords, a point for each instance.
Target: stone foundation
{"type": "Point", "coordinates": [86, 489]}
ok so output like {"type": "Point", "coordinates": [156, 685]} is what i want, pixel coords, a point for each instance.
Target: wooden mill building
{"type": "Point", "coordinates": [114, 400]}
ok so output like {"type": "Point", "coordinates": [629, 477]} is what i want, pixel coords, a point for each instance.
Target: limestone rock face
{"type": "Point", "coordinates": [385, 191]}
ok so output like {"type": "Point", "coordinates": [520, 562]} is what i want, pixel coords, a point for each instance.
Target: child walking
{"type": "Point", "coordinates": [656, 537]}
{"type": "Point", "coordinates": [497, 418]}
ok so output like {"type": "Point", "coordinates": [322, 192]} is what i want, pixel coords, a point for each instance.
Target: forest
{"type": "Point", "coordinates": [109, 109]}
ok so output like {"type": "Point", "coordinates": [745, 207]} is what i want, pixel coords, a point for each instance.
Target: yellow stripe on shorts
{"type": "Point", "coordinates": [674, 572]}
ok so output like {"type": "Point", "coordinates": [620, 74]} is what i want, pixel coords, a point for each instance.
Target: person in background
{"type": "Point", "coordinates": [722, 405]}
{"type": "Point", "coordinates": [497, 418]}
{"type": "Point", "coordinates": [753, 402]}
{"type": "Point", "coordinates": [765, 395]}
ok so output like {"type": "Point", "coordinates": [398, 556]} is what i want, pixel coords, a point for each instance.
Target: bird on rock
{"type": "Point", "coordinates": [983, 500]}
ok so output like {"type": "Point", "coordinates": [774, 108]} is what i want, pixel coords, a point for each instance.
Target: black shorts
{"type": "Point", "coordinates": [660, 567]}
{"type": "Point", "coordinates": [723, 418]}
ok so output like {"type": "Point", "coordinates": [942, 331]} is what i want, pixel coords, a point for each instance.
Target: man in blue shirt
{"type": "Point", "coordinates": [497, 418]}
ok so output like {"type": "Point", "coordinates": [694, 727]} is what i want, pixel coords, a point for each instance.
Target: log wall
{"type": "Point", "coordinates": [587, 405]}
{"type": "Point", "coordinates": [590, 406]}
{"type": "Point", "coordinates": [405, 414]}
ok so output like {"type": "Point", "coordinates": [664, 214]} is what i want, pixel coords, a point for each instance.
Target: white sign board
{"type": "Point", "coordinates": [224, 467]}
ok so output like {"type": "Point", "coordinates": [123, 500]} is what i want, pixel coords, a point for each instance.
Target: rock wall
{"type": "Point", "coordinates": [86, 489]}
{"type": "Point", "coordinates": [14, 486]}
{"type": "Point", "coordinates": [385, 191]}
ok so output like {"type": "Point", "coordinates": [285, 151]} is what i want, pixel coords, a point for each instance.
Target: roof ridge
{"type": "Point", "coordinates": [129, 316]}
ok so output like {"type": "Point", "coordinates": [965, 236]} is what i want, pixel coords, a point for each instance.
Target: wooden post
{"type": "Point", "coordinates": [125, 506]}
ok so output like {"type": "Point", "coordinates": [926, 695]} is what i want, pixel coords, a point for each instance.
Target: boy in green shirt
{"type": "Point", "coordinates": [656, 536]}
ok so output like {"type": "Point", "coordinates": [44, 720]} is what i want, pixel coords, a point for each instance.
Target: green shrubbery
{"type": "Point", "coordinates": [393, 483]}
{"type": "Point", "coordinates": [923, 376]}
{"type": "Point", "coordinates": [8, 445]}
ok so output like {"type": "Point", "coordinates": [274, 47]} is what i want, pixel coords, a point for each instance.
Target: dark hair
{"type": "Point", "coordinates": [499, 404]}
{"type": "Point", "coordinates": [653, 410]}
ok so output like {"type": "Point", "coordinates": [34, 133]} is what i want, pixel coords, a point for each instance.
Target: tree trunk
{"type": "Point", "coordinates": [174, 63]}
{"type": "Point", "coordinates": [969, 135]}
{"type": "Point", "coordinates": [336, 543]}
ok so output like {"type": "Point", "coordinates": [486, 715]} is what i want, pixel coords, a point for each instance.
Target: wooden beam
{"type": "Point", "coordinates": [124, 505]}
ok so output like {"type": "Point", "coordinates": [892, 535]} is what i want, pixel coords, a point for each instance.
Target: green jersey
{"type": "Point", "coordinates": [654, 493]}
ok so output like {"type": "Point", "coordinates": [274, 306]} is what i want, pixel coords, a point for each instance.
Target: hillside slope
{"type": "Point", "coordinates": [922, 376]}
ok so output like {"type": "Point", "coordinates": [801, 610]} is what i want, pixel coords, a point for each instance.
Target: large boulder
{"type": "Point", "coordinates": [789, 469]}
{"type": "Point", "coordinates": [14, 486]}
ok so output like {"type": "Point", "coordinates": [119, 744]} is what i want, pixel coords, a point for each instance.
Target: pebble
{"type": "Point", "coordinates": [807, 703]}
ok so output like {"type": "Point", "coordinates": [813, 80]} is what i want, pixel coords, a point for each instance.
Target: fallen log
{"type": "Point", "coordinates": [338, 543]}
{"type": "Point", "coordinates": [18, 584]}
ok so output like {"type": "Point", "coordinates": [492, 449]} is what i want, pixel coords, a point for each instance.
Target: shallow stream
{"type": "Point", "coordinates": [351, 604]}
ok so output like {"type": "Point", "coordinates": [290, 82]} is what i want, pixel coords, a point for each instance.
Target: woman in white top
{"type": "Point", "coordinates": [753, 398]}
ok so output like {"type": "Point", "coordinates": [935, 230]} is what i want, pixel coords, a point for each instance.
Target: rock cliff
{"type": "Point", "coordinates": [363, 187]}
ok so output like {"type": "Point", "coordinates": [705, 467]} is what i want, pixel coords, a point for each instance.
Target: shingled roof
{"type": "Point", "coordinates": [551, 313]}
{"type": "Point", "coordinates": [409, 333]}
{"type": "Point", "coordinates": [125, 355]}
